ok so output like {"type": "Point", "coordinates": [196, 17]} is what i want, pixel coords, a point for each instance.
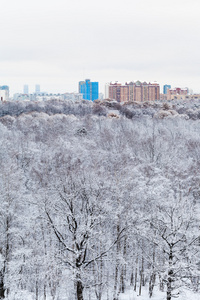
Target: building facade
{"type": "Point", "coordinates": [37, 88]}
{"type": "Point", "coordinates": [134, 91]}
{"type": "Point", "coordinates": [89, 90]}
{"type": "Point", "coordinates": [4, 93]}
{"type": "Point", "coordinates": [26, 90]}
{"type": "Point", "coordinates": [177, 93]}
{"type": "Point", "coordinates": [114, 91]}
{"type": "Point", "coordinates": [72, 96]}
{"type": "Point", "coordinates": [165, 88]}
{"type": "Point", "coordinates": [107, 90]}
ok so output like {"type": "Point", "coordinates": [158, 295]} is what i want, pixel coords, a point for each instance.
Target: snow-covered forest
{"type": "Point", "coordinates": [98, 199]}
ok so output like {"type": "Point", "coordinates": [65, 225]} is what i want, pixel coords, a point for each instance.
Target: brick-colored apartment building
{"type": "Point", "coordinates": [114, 91]}
{"type": "Point", "coordinates": [134, 91]}
{"type": "Point", "coordinates": [177, 93]}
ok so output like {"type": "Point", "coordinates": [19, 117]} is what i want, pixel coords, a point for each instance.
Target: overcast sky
{"type": "Point", "coordinates": [58, 43]}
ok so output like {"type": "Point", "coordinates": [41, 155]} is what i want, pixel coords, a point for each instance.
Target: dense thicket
{"type": "Point", "coordinates": [94, 202]}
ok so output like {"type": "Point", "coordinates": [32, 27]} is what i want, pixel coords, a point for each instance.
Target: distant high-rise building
{"type": "Point", "coordinates": [90, 90]}
{"type": "Point", "coordinates": [190, 92]}
{"type": "Point", "coordinates": [37, 88]}
{"type": "Point", "coordinates": [4, 92]}
{"type": "Point", "coordinates": [134, 91]}
{"type": "Point", "coordinates": [177, 93]}
{"type": "Point", "coordinates": [107, 90]}
{"type": "Point", "coordinates": [165, 88]}
{"type": "Point", "coordinates": [115, 91]}
{"type": "Point", "coordinates": [26, 89]}
{"type": "Point", "coordinates": [4, 87]}
{"type": "Point", "coordinates": [101, 96]}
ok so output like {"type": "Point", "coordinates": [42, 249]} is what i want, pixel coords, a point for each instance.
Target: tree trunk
{"type": "Point", "coordinates": [116, 280]}
{"type": "Point", "coordinates": [161, 285]}
{"type": "Point", "coordinates": [107, 281]}
{"type": "Point", "coordinates": [151, 284]}
{"type": "Point", "coordinates": [136, 271]}
{"type": "Point", "coordinates": [131, 280]}
{"type": "Point", "coordinates": [36, 290]}
{"type": "Point", "coordinates": [2, 289]}
{"type": "Point", "coordinates": [79, 288]}
{"type": "Point", "coordinates": [152, 276]}
{"type": "Point", "coordinates": [5, 291]}
{"type": "Point", "coordinates": [141, 277]}
{"type": "Point", "coordinates": [123, 271]}
{"type": "Point", "coordinates": [116, 292]}
{"type": "Point", "coordinates": [169, 285]}
{"type": "Point", "coordinates": [122, 284]}
{"type": "Point", "coordinates": [170, 276]}
{"type": "Point", "coordinates": [45, 291]}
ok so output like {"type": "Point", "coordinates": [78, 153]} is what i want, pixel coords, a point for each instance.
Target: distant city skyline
{"type": "Point", "coordinates": [31, 89]}
{"type": "Point", "coordinates": [58, 43]}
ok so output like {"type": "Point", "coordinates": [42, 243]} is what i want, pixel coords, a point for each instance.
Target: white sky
{"type": "Point", "coordinates": [58, 43]}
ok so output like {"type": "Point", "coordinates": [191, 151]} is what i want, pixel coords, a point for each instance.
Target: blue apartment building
{"type": "Point", "coordinates": [89, 90]}
{"type": "Point", "coordinates": [165, 88]}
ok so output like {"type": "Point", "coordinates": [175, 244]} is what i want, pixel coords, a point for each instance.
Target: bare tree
{"type": "Point", "coordinates": [77, 217]}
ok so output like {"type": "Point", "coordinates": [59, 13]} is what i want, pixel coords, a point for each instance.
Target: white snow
{"type": "Point", "coordinates": [158, 295]}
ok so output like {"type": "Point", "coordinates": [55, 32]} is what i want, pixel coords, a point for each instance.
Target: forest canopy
{"type": "Point", "coordinates": [98, 198]}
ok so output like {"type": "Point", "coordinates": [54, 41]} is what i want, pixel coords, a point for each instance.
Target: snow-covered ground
{"type": "Point", "coordinates": [158, 295]}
